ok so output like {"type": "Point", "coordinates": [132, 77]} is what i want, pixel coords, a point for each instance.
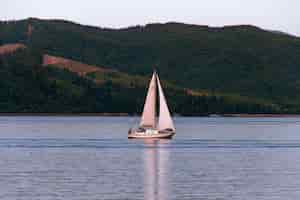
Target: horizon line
{"type": "Point", "coordinates": [148, 23]}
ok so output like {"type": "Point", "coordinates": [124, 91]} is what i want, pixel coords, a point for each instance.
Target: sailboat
{"type": "Point", "coordinates": [150, 126]}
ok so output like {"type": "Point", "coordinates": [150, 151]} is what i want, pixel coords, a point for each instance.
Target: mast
{"type": "Point", "coordinates": [164, 120]}
{"type": "Point", "coordinates": [148, 116]}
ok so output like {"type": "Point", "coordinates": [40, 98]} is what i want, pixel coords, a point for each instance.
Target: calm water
{"type": "Point", "coordinates": [74, 158]}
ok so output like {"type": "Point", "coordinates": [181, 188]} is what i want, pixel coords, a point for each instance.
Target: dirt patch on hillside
{"type": "Point", "coordinates": [10, 48]}
{"type": "Point", "coordinates": [71, 65]}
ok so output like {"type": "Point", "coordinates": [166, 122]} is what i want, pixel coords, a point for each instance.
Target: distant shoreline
{"type": "Point", "coordinates": [259, 115]}
{"type": "Point", "coordinates": [129, 115]}
{"type": "Point", "coordinates": [66, 114]}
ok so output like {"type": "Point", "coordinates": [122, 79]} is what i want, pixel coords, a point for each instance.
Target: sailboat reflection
{"type": "Point", "coordinates": [156, 166]}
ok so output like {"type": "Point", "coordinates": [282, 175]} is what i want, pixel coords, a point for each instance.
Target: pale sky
{"type": "Point", "coordinates": [282, 15]}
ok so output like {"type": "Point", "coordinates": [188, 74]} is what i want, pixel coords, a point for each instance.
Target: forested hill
{"type": "Point", "coordinates": [249, 66]}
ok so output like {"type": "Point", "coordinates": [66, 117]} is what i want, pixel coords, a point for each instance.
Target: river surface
{"type": "Point", "coordinates": [90, 158]}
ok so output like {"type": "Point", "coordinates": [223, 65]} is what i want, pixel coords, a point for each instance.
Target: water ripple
{"type": "Point", "coordinates": [124, 143]}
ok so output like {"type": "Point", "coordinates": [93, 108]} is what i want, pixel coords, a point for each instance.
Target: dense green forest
{"type": "Point", "coordinates": [241, 69]}
{"type": "Point", "coordinates": [27, 86]}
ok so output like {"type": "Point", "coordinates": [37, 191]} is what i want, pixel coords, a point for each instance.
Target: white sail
{"type": "Point", "coordinates": [164, 119]}
{"type": "Point", "coordinates": [148, 116]}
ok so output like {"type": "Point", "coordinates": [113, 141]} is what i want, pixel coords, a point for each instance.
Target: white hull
{"type": "Point", "coordinates": [150, 134]}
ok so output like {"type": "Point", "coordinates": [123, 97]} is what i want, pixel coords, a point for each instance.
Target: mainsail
{"type": "Point", "coordinates": [148, 117]}
{"type": "Point", "coordinates": [164, 120]}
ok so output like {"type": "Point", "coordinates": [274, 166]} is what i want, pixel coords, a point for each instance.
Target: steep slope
{"type": "Point", "coordinates": [27, 86]}
{"type": "Point", "coordinates": [238, 61]}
